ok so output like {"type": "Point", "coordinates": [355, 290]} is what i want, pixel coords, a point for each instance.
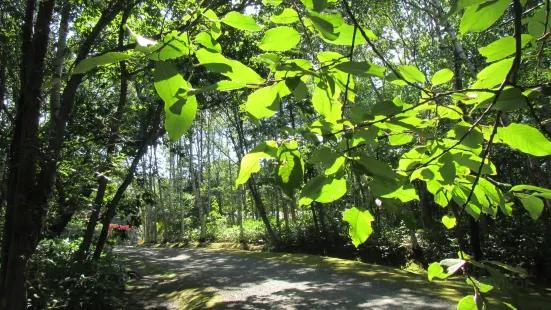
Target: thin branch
{"type": "Point", "coordinates": [376, 51]}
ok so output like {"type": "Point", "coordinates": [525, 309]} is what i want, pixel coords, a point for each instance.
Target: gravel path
{"type": "Point", "coordinates": [241, 282]}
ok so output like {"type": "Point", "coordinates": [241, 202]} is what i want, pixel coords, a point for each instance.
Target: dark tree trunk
{"type": "Point", "coordinates": [112, 206]}
{"type": "Point", "coordinates": [111, 146]}
{"type": "Point", "coordinates": [24, 217]}
{"type": "Point", "coordinates": [262, 212]}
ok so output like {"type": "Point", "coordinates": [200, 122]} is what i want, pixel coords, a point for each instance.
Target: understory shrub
{"type": "Point", "coordinates": [57, 281]}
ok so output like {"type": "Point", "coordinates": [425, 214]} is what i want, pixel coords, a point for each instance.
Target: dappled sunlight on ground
{"type": "Point", "coordinates": [227, 280]}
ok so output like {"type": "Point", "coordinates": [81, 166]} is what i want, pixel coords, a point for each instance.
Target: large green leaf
{"type": "Point", "coordinates": [174, 45]}
{"type": "Point", "coordinates": [374, 167]}
{"type": "Point", "coordinates": [411, 74]}
{"type": "Point", "coordinates": [272, 2]}
{"type": "Point", "coordinates": [493, 74]}
{"type": "Point", "coordinates": [510, 99]}
{"type": "Point", "coordinates": [524, 138]}
{"type": "Point", "coordinates": [482, 16]}
{"type": "Point", "coordinates": [472, 139]}
{"type": "Point", "coordinates": [434, 270]}
{"type": "Point", "coordinates": [264, 102]}
{"type": "Point", "coordinates": [287, 16]}
{"type": "Point", "coordinates": [326, 25]}
{"type": "Point", "coordinates": [325, 102]}
{"type": "Point", "coordinates": [449, 221]}
{"type": "Point", "coordinates": [362, 68]}
{"type": "Point", "coordinates": [533, 205]}
{"type": "Point", "coordinates": [360, 224]}
{"type": "Point", "coordinates": [441, 77]}
{"type": "Point", "coordinates": [536, 23]}
{"type": "Point", "coordinates": [179, 112]}
{"type": "Point", "coordinates": [279, 39]}
{"type": "Point", "coordinates": [240, 21]}
{"type": "Point", "coordinates": [208, 42]}
{"type": "Point", "coordinates": [105, 59]}
{"type": "Point", "coordinates": [324, 189]}
{"type": "Point", "coordinates": [250, 164]}
{"type": "Point", "coordinates": [467, 303]}
{"type": "Point", "coordinates": [461, 4]}
{"type": "Point", "coordinates": [290, 168]}
{"type": "Point", "coordinates": [502, 48]}
{"type": "Point", "coordinates": [333, 162]}
{"type": "Point", "coordinates": [405, 194]}
{"type": "Point", "coordinates": [346, 33]}
{"type": "Point", "coordinates": [236, 71]}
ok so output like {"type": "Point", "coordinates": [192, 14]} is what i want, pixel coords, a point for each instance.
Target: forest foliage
{"type": "Point", "coordinates": [423, 119]}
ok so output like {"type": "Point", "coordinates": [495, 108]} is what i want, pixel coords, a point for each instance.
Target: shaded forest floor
{"type": "Point", "coordinates": [221, 277]}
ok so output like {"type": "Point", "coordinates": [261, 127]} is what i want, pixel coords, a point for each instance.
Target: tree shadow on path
{"type": "Point", "coordinates": [202, 279]}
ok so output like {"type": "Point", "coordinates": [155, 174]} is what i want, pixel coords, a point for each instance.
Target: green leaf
{"type": "Point", "coordinates": [503, 47]}
{"type": "Point", "coordinates": [524, 138]}
{"type": "Point", "coordinates": [363, 69]}
{"type": "Point", "coordinates": [290, 168]}
{"type": "Point", "coordinates": [250, 164]}
{"type": "Point", "coordinates": [449, 222]}
{"type": "Point", "coordinates": [494, 74]}
{"type": "Point", "coordinates": [519, 188]}
{"type": "Point", "coordinates": [325, 102]}
{"type": "Point", "coordinates": [532, 204]}
{"type": "Point", "coordinates": [510, 99]}
{"type": "Point", "coordinates": [467, 303]}
{"type": "Point", "coordinates": [484, 288]}
{"type": "Point", "coordinates": [434, 270]}
{"type": "Point", "coordinates": [322, 189]}
{"type": "Point", "coordinates": [333, 162]}
{"type": "Point", "coordinates": [441, 77]}
{"type": "Point", "coordinates": [279, 39]}
{"type": "Point", "coordinates": [319, 5]}
{"type": "Point", "coordinates": [240, 21]}
{"type": "Point", "coordinates": [520, 271]}
{"type": "Point", "coordinates": [473, 139]}
{"type": "Point", "coordinates": [411, 74]}
{"type": "Point", "coordinates": [173, 45]}
{"type": "Point", "coordinates": [208, 42]}
{"type": "Point", "coordinates": [272, 2]}
{"type": "Point", "coordinates": [264, 102]}
{"type": "Point", "coordinates": [105, 59]}
{"type": "Point", "coordinates": [372, 166]}
{"type": "Point", "coordinates": [536, 23]}
{"type": "Point", "coordinates": [461, 4]}
{"type": "Point", "coordinates": [324, 25]}
{"type": "Point", "coordinates": [405, 194]}
{"type": "Point", "coordinates": [482, 16]}
{"type": "Point", "coordinates": [400, 139]}
{"type": "Point", "coordinates": [360, 224]}
{"type": "Point", "coordinates": [346, 33]}
{"type": "Point", "coordinates": [179, 112]}
{"type": "Point", "coordinates": [233, 69]}
{"type": "Point", "coordinates": [287, 16]}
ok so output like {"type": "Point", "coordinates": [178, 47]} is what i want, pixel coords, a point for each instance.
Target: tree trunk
{"type": "Point", "coordinates": [112, 206]}
{"type": "Point", "coordinates": [24, 216]}
{"type": "Point", "coordinates": [262, 212]}
{"type": "Point", "coordinates": [111, 148]}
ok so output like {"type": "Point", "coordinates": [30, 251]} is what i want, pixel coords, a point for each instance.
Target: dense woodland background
{"type": "Point", "coordinates": [85, 160]}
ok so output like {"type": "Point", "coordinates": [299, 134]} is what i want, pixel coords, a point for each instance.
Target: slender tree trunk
{"type": "Point", "coordinates": [112, 206]}
{"type": "Point", "coordinates": [111, 148]}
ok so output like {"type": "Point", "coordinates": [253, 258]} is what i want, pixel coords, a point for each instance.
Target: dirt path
{"type": "Point", "coordinates": [205, 278]}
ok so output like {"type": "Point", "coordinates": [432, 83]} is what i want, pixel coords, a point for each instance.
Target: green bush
{"type": "Point", "coordinates": [56, 281]}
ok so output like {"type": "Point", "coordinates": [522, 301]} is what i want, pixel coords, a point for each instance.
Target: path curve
{"type": "Point", "coordinates": [242, 282]}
